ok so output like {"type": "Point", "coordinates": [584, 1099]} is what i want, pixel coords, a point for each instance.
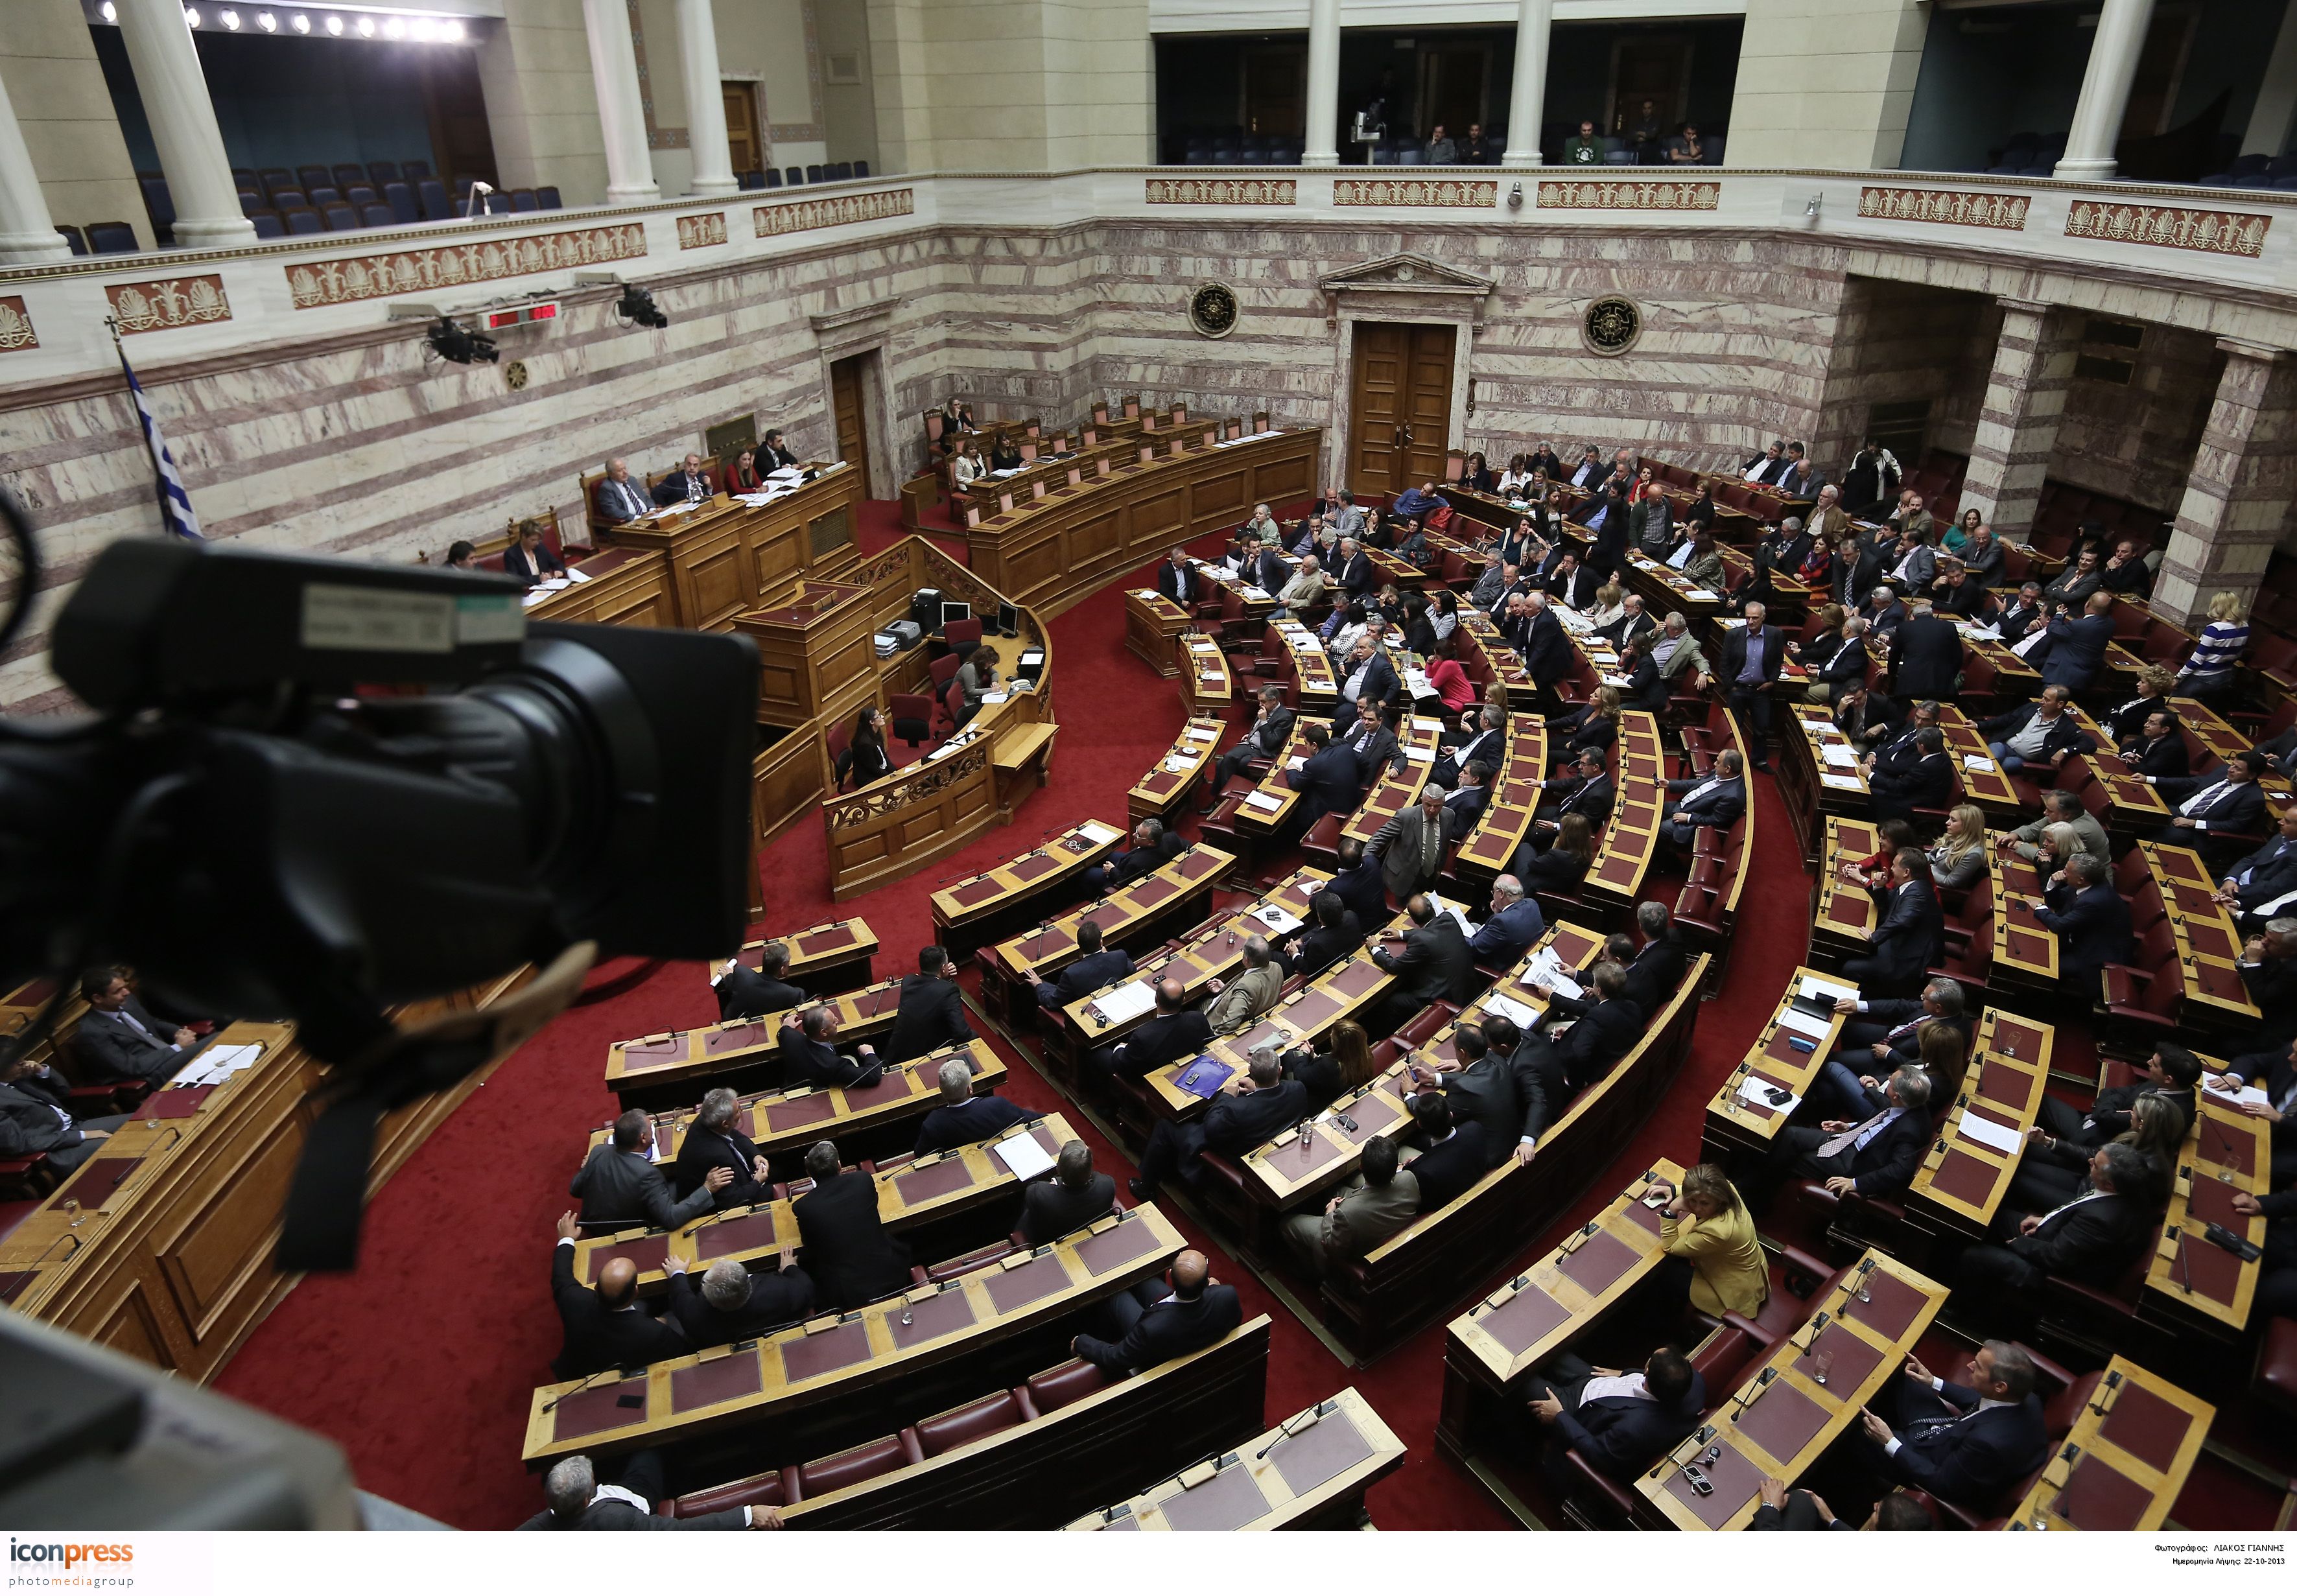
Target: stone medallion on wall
{"type": "Point", "coordinates": [1212, 309]}
{"type": "Point", "coordinates": [514, 374]}
{"type": "Point", "coordinates": [1612, 325]}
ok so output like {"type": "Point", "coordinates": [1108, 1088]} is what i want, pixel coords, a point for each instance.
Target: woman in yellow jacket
{"type": "Point", "coordinates": [1704, 1228]}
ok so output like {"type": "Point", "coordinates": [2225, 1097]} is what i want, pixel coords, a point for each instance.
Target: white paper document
{"type": "Point", "coordinates": [1813, 986]}
{"type": "Point", "coordinates": [1277, 918]}
{"type": "Point", "coordinates": [1981, 765]}
{"type": "Point", "coordinates": [213, 1065]}
{"type": "Point", "coordinates": [1268, 804]}
{"type": "Point", "coordinates": [1849, 784]}
{"type": "Point", "coordinates": [1023, 1154]}
{"type": "Point", "coordinates": [1199, 733]}
{"type": "Point", "coordinates": [1757, 1093]}
{"type": "Point", "coordinates": [1127, 1003]}
{"type": "Point", "coordinates": [1296, 763]}
{"type": "Point", "coordinates": [1809, 1024]}
{"type": "Point", "coordinates": [1100, 831]}
{"type": "Point", "coordinates": [1547, 970]}
{"type": "Point", "coordinates": [1523, 1014]}
{"type": "Point", "coordinates": [1179, 766]}
{"type": "Point", "coordinates": [2239, 1099]}
{"type": "Point", "coordinates": [1701, 593]}
{"type": "Point", "coordinates": [1421, 755]}
{"type": "Point", "coordinates": [1986, 1133]}
{"type": "Point", "coordinates": [1681, 557]}
{"type": "Point", "coordinates": [577, 576]}
{"type": "Point", "coordinates": [1839, 756]}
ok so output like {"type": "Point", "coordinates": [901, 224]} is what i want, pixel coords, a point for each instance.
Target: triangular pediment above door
{"type": "Point", "coordinates": [1412, 271]}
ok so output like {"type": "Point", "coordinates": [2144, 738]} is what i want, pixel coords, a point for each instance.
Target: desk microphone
{"type": "Point", "coordinates": [587, 1381]}
{"type": "Point", "coordinates": [2185, 1267]}
{"type": "Point", "coordinates": [2218, 1130]}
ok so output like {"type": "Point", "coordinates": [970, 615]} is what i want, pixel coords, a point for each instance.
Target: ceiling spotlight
{"type": "Point", "coordinates": [300, 23]}
{"type": "Point", "coordinates": [394, 29]}
{"type": "Point", "coordinates": [191, 16]}
{"type": "Point", "coordinates": [450, 340]}
{"type": "Point", "coordinates": [229, 19]}
{"type": "Point", "coordinates": [111, 13]}
{"type": "Point", "coordinates": [266, 22]}
{"type": "Point", "coordinates": [452, 32]}
{"type": "Point", "coordinates": [425, 29]}
{"type": "Point", "coordinates": [638, 305]}
{"type": "Point", "coordinates": [335, 25]}
{"type": "Point", "coordinates": [366, 28]}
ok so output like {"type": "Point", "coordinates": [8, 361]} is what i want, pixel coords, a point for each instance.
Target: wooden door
{"type": "Point", "coordinates": [1275, 92]}
{"type": "Point", "coordinates": [1400, 406]}
{"type": "Point", "coordinates": [1658, 69]}
{"type": "Point", "coordinates": [2160, 72]}
{"type": "Point", "coordinates": [455, 110]}
{"type": "Point", "coordinates": [742, 140]}
{"type": "Point", "coordinates": [1453, 91]}
{"type": "Point", "coordinates": [845, 404]}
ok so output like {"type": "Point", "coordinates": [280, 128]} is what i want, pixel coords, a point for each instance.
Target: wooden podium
{"type": "Point", "coordinates": [815, 657]}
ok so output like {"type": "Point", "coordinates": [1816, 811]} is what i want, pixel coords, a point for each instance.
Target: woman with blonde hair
{"type": "Point", "coordinates": [1564, 865]}
{"type": "Point", "coordinates": [1608, 607]}
{"type": "Point", "coordinates": [2124, 722]}
{"type": "Point", "coordinates": [2055, 1171]}
{"type": "Point", "coordinates": [1958, 858]}
{"type": "Point", "coordinates": [1337, 1067]}
{"type": "Point", "coordinates": [2209, 671]}
{"type": "Point", "coordinates": [1593, 725]}
{"type": "Point", "coordinates": [1714, 1257]}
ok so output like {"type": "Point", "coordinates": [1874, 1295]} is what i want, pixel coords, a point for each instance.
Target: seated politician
{"type": "Point", "coordinates": [962, 1117]}
{"type": "Point", "coordinates": [848, 1253]}
{"type": "Point", "coordinates": [1153, 1323]}
{"type": "Point", "coordinates": [1072, 1198]}
{"type": "Point", "coordinates": [1620, 1421]}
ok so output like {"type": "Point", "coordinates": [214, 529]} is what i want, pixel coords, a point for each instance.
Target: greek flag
{"type": "Point", "coordinates": [175, 500]}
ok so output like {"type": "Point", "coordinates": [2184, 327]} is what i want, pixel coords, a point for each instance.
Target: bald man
{"type": "Point", "coordinates": [605, 1326]}
{"type": "Point", "coordinates": [1162, 1319]}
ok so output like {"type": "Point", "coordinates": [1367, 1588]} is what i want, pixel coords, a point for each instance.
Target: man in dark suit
{"type": "Point", "coordinates": [1514, 924]}
{"type": "Point", "coordinates": [2267, 967]}
{"type": "Point", "coordinates": [2170, 1071]}
{"type": "Point", "coordinates": [2037, 736]}
{"type": "Point", "coordinates": [2159, 749]}
{"type": "Point", "coordinates": [620, 1185]}
{"type": "Point", "coordinates": [1716, 799]}
{"type": "Point", "coordinates": [714, 1141]}
{"type": "Point", "coordinates": [1365, 677]}
{"type": "Point", "coordinates": [1864, 716]}
{"type": "Point", "coordinates": [1464, 804]}
{"type": "Point", "coordinates": [1241, 1115]}
{"type": "Point", "coordinates": [619, 499]}
{"type": "Point", "coordinates": [2273, 1071]}
{"type": "Point", "coordinates": [1488, 1089]}
{"type": "Point", "coordinates": [1966, 1445]}
{"type": "Point", "coordinates": [2227, 800]}
{"type": "Point", "coordinates": [847, 1252]}
{"type": "Point", "coordinates": [1268, 571]}
{"type": "Point", "coordinates": [774, 454]}
{"type": "Point", "coordinates": [36, 1117]}
{"type": "Point", "coordinates": [1886, 1035]}
{"type": "Point", "coordinates": [962, 1117]}
{"type": "Point", "coordinates": [1482, 736]}
{"type": "Point", "coordinates": [686, 482]}
{"type": "Point", "coordinates": [2090, 1240]}
{"type": "Point", "coordinates": [1178, 581]}
{"type": "Point", "coordinates": [1925, 656]}
{"type": "Point", "coordinates": [1910, 935]}
{"type": "Point", "coordinates": [1175, 1031]}
{"type": "Point", "coordinates": [1150, 1324]}
{"type": "Point", "coordinates": [1590, 794]}
{"type": "Point", "coordinates": [1326, 781]}
{"type": "Point", "coordinates": [809, 1056]}
{"type": "Point", "coordinates": [1658, 966]}
{"type": "Point", "coordinates": [1620, 1423]}
{"type": "Point", "coordinates": [1603, 1034]}
{"type": "Point", "coordinates": [1799, 1510]}
{"type": "Point", "coordinates": [2077, 643]}
{"type": "Point", "coordinates": [1075, 1197]}
{"type": "Point", "coordinates": [1353, 571]}
{"type": "Point", "coordinates": [1752, 657]}
{"type": "Point", "coordinates": [2022, 613]}
{"type": "Point", "coordinates": [1094, 967]}
{"type": "Point", "coordinates": [1372, 744]}
{"type": "Point", "coordinates": [1148, 854]}
{"type": "Point", "coordinates": [729, 1303]}
{"type": "Point", "coordinates": [1333, 933]}
{"type": "Point", "coordinates": [2091, 920]}
{"type": "Point", "coordinates": [2265, 876]}
{"type": "Point", "coordinates": [1845, 666]}
{"type": "Point", "coordinates": [119, 1041]}
{"type": "Point", "coordinates": [1899, 786]}
{"type": "Point", "coordinates": [1876, 1156]}
{"type": "Point", "coordinates": [1357, 883]}
{"type": "Point", "coordinates": [932, 1013]}
{"type": "Point", "coordinates": [606, 1328]}
{"type": "Point", "coordinates": [1451, 1155]}
{"type": "Point", "coordinates": [578, 1501]}
{"type": "Point", "coordinates": [1572, 586]}
{"type": "Point", "coordinates": [1434, 965]}
{"type": "Point", "coordinates": [1546, 651]}
{"type": "Point", "coordinates": [747, 994]}
{"type": "Point", "coordinates": [1265, 739]}
{"type": "Point", "coordinates": [1411, 845]}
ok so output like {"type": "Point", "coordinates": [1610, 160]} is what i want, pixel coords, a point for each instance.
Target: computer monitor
{"type": "Point", "coordinates": [1008, 620]}
{"type": "Point", "coordinates": [951, 610]}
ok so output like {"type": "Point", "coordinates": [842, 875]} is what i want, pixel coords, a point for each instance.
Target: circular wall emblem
{"type": "Point", "coordinates": [514, 374]}
{"type": "Point", "coordinates": [1612, 325]}
{"type": "Point", "coordinates": [1211, 310]}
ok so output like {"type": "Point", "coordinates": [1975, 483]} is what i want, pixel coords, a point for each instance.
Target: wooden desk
{"type": "Point", "coordinates": [1393, 793]}
{"type": "Point", "coordinates": [1167, 786]}
{"type": "Point", "coordinates": [1309, 666]}
{"type": "Point", "coordinates": [1965, 1176]}
{"type": "Point", "coordinates": [649, 1072]}
{"type": "Point", "coordinates": [1153, 624]}
{"type": "Point", "coordinates": [621, 587]}
{"type": "Point", "coordinates": [1206, 683]}
{"type": "Point", "coordinates": [835, 1358]}
{"type": "Point", "coordinates": [1990, 788]}
{"type": "Point", "coordinates": [1175, 891]}
{"type": "Point", "coordinates": [1497, 836]}
{"type": "Point", "coordinates": [2216, 1002]}
{"type": "Point", "coordinates": [2025, 950]}
{"type": "Point", "coordinates": [1615, 878]}
{"type": "Point", "coordinates": [1006, 896]}
{"type": "Point", "coordinates": [1736, 1124]}
{"type": "Point", "coordinates": [2125, 1462]}
{"type": "Point", "coordinates": [2192, 1287]}
{"type": "Point", "coordinates": [1265, 810]}
{"type": "Point", "coordinates": [2134, 808]}
{"type": "Point", "coordinates": [1254, 601]}
{"type": "Point", "coordinates": [1310, 1472]}
{"type": "Point", "coordinates": [2225, 741]}
{"type": "Point", "coordinates": [1781, 1420]}
{"type": "Point", "coordinates": [783, 1121]}
{"type": "Point", "coordinates": [1842, 915]}
{"type": "Point", "coordinates": [1813, 786]}
{"type": "Point", "coordinates": [822, 959]}
{"type": "Point", "coordinates": [815, 653]}
{"type": "Point", "coordinates": [1665, 590]}
{"type": "Point", "coordinates": [910, 1192]}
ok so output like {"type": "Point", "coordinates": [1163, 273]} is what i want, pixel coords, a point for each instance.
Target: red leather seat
{"type": "Point", "coordinates": [1000, 1411]}
{"type": "Point", "coordinates": [858, 1463]}
{"type": "Point", "coordinates": [912, 714]}
{"type": "Point", "coordinates": [945, 670]}
{"type": "Point", "coordinates": [29, 1176]}
{"type": "Point", "coordinates": [2275, 1380]}
{"type": "Point", "coordinates": [1064, 1382]}
{"type": "Point", "coordinates": [1426, 1023]}
{"type": "Point", "coordinates": [963, 636]}
{"type": "Point", "coordinates": [775, 1490]}
{"type": "Point", "coordinates": [1596, 1500]}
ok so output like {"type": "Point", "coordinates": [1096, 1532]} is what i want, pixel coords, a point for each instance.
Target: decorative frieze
{"type": "Point", "coordinates": [2170, 228]}
{"type": "Point", "coordinates": [1956, 207]}
{"type": "Point", "coordinates": [802, 216]}
{"type": "Point", "coordinates": [1222, 191]}
{"type": "Point", "coordinates": [408, 271]}
{"type": "Point", "coordinates": [1448, 193]}
{"type": "Point", "coordinates": [700, 232]}
{"type": "Point", "coordinates": [168, 303]}
{"type": "Point", "coordinates": [16, 326]}
{"type": "Point", "coordinates": [1628, 195]}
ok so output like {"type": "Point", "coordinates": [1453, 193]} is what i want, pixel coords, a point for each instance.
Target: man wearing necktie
{"type": "Point", "coordinates": [620, 499]}
{"type": "Point", "coordinates": [119, 1041]}
{"type": "Point", "coordinates": [2230, 802]}
{"type": "Point", "coordinates": [2265, 877]}
{"type": "Point", "coordinates": [1875, 1157]}
{"type": "Point", "coordinates": [1966, 1445]}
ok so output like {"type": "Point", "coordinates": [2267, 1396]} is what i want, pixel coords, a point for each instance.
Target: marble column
{"type": "Point", "coordinates": [28, 233]}
{"type": "Point", "coordinates": [1527, 100]}
{"type": "Point", "coordinates": [2236, 506]}
{"type": "Point", "coordinates": [2018, 424]}
{"type": "Point", "coordinates": [705, 100]}
{"type": "Point", "coordinates": [621, 112]}
{"type": "Point", "coordinates": [1322, 146]}
{"type": "Point", "coordinates": [2114, 52]}
{"type": "Point", "coordinates": [2270, 117]}
{"type": "Point", "coordinates": [183, 120]}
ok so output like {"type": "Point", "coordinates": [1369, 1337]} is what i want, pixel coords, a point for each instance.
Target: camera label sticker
{"type": "Point", "coordinates": [365, 620]}
{"type": "Point", "coordinates": [489, 618]}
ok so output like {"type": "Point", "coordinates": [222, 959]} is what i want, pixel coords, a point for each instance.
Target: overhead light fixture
{"type": "Point", "coordinates": [111, 12]}
{"type": "Point", "coordinates": [300, 23]}
{"type": "Point", "coordinates": [451, 340]}
{"type": "Point", "coordinates": [229, 19]}
{"type": "Point", "coordinates": [452, 32]}
{"type": "Point", "coordinates": [335, 25]}
{"type": "Point", "coordinates": [366, 28]}
{"type": "Point", "coordinates": [394, 29]}
{"type": "Point", "coordinates": [425, 29]}
{"type": "Point", "coordinates": [638, 305]}
{"type": "Point", "coordinates": [191, 16]}
{"type": "Point", "coordinates": [266, 22]}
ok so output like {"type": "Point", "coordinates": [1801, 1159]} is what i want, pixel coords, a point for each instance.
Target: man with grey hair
{"type": "Point", "coordinates": [714, 1141]}
{"type": "Point", "coordinates": [1482, 736]}
{"type": "Point", "coordinates": [1233, 1005]}
{"type": "Point", "coordinates": [1075, 1195]}
{"type": "Point", "coordinates": [2091, 921]}
{"type": "Point", "coordinates": [2058, 807]}
{"type": "Point", "coordinates": [1411, 847]}
{"type": "Point", "coordinates": [2090, 1239]}
{"type": "Point", "coordinates": [1674, 651]}
{"type": "Point", "coordinates": [1491, 586]}
{"type": "Point", "coordinates": [1887, 1036]}
{"type": "Point", "coordinates": [577, 1501]}
{"type": "Point", "coordinates": [1304, 591]}
{"type": "Point", "coordinates": [1875, 1157]}
{"type": "Point", "coordinates": [620, 499]}
{"type": "Point", "coordinates": [1353, 569]}
{"type": "Point", "coordinates": [962, 1117]}
{"type": "Point", "coordinates": [1631, 623]}
{"type": "Point", "coordinates": [1964, 1443]}
{"type": "Point", "coordinates": [1265, 739]}
{"type": "Point", "coordinates": [733, 1305]}
{"type": "Point", "coordinates": [1347, 520]}
{"type": "Point", "coordinates": [1261, 527]}
{"type": "Point", "coordinates": [1514, 925]}
{"type": "Point", "coordinates": [1241, 1115]}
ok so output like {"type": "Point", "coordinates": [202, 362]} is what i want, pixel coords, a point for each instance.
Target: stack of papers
{"type": "Point", "coordinates": [1277, 918]}
{"type": "Point", "coordinates": [1524, 1014]}
{"type": "Point", "coordinates": [1986, 1133]}
{"type": "Point", "coordinates": [1757, 1094]}
{"type": "Point", "coordinates": [1547, 970]}
{"type": "Point", "coordinates": [1023, 1154]}
{"type": "Point", "coordinates": [2240, 1099]}
{"type": "Point", "coordinates": [1849, 784]}
{"type": "Point", "coordinates": [213, 1065]}
{"type": "Point", "coordinates": [1839, 756]}
{"type": "Point", "coordinates": [1127, 1003]}
{"type": "Point", "coordinates": [1179, 766]}
{"type": "Point", "coordinates": [1199, 733]}
{"type": "Point", "coordinates": [1972, 761]}
{"type": "Point", "coordinates": [1263, 802]}
{"type": "Point", "coordinates": [1810, 1025]}
{"type": "Point", "coordinates": [1813, 986]}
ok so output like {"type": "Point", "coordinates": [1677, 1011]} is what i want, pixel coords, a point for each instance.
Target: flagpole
{"type": "Point", "coordinates": [159, 477]}
{"type": "Point", "coordinates": [172, 523]}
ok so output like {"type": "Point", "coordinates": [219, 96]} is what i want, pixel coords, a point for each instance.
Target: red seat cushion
{"type": "Point", "coordinates": [944, 1432]}
{"type": "Point", "coordinates": [855, 1464]}
{"type": "Point", "coordinates": [2276, 1364]}
{"type": "Point", "coordinates": [774, 1490]}
{"type": "Point", "coordinates": [1064, 1384]}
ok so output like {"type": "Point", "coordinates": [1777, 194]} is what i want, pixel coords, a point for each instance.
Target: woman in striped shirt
{"type": "Point", "coordinates": [2208, 672]}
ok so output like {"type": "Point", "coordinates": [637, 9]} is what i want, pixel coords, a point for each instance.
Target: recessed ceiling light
{"type": "Point", "coordinates": [335, 25]}
{"type": "Point", "coordinates": [111, 12]}
{"type": "Point", "coordinates": [300, 23]}
{"type": "Point", "coordinates": [266, 22]}
{"type": "Point", "coordinates": [366, 28]}
{"type": "Point", "coordinates": [394, 29]}
{"type": "Point", "coordinates": [191, 16]}
{"type": "Point", "coordinates": [452, 32]}
{"type": "Point", "coordinates": [425, 29]}
{"type": "Point", "coordinates": [229, 19]}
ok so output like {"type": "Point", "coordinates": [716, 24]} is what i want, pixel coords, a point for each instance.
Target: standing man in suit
{"type": "Point", "coordinates": [1492, 1085]}
{"type": "Point", "coordinates": [962, 1117]}
{"type": "Point", "coordinates": [1411, 847]}
{"type": "Point", "coordinates": [1326, 781]}
{"type": "Point", "coordinates": [1178, 581]}
{"type": "Point", "coordinates": [2228, 802]}
{"type": "Point", "coordinates": [1365, 1211]}
{"type": "Point", "coordinates": [747, 994]}
{"type": "Point", "coordinates": [729, 1303]}
{"type": "Point", "coordinates": [605, 1326]}
{"type": "Point", "coordinates": [620, 501]}
{"type": "Point", "coordinates": [2077, 643]}
{"type": "Point", "coordinates": [1094, 967]}
{"type": "Point", "coordinates": [932, 1012]}
{"type": "Point", "coordinates": [1357, 883]}
{"type": "Point", "coordinates": [1876, 1156]}
{"type": "Point", "coordinates": [1150, 1324]}
{"type": "Point", "coordinates": [2091, 921]}
{"type": "Point", "coordinates": [1621, 1423]}
{"type": "Point", "coordinates": [1752, 657]}
{"type": "Point", "coordinates": [1434, 967]}
{"type": "Point", "coordinates": [1716, 799]}
{"type": "Point", "coordinates": [1176, 1031]}
{"type": "Point", "coordinates": [848, 1253]}
{"type": "Point", "coordinates": [619, 1184]}
{"type": "Point", "coordinates": [1075, 1197]}
{"type": "Point", "coordinates": [2090, 1240]}
{"type": "Point", "coordinates": [1925, 654]}
{"type": "Point", "coordinates": [119, 1041]}
{"type": "Point", "coordinates": [1908, 937]}
{"type": "Point", "coordinates": [1966, 1445]}
{"type": "Point", "coordinates": [1241, 1115]}
{"type": "Point", "coordinates": [2265, 876]}
{"type": "Point", "coordinates": [810, 1055]}
{"type": "Point", "coordinates": [1265, 739]}
{"type": "Point", "coordinates": [684, 484]}
{"type": "Point", "coordinates": [1515, 923]}
{"type": "Point", "coordinates": [1546, 652]}
{"type": "Point", "coordinates": [577, 1501]}
{"type": "Point", "coordinates": [712, 1143]}
{"type": "Point", "coordinates": [1373, 744]}
{"type": "Point", "coordinates": [1235, 1004]}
